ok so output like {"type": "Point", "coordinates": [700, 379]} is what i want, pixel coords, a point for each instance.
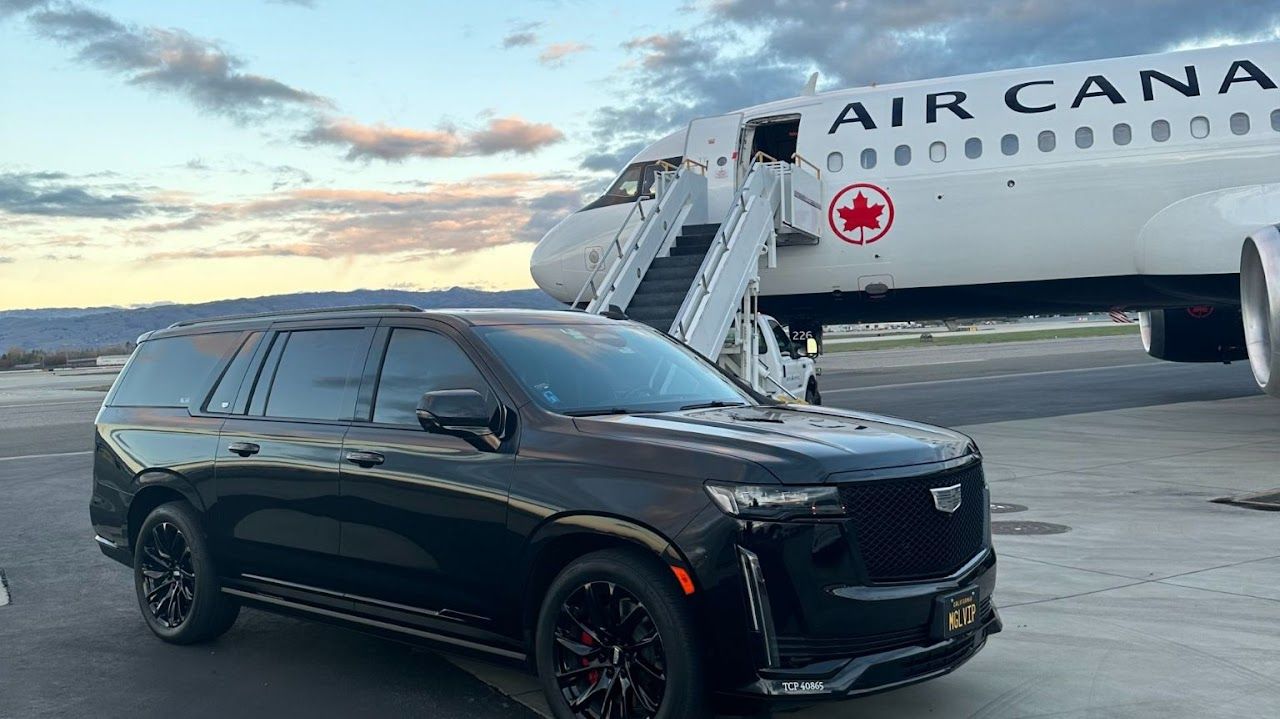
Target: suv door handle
{"type": "Point", "coordinates": [364, 459]}
{"type": "Point", "coordinates": [244, 449]}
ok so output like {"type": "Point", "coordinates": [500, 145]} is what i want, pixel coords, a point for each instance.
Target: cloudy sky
{"type": "Point", "coordinates": [189, 151]}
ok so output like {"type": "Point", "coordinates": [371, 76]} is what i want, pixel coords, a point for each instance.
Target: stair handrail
{"type": "Point", "coordinates": [614, 244]}
{"type": "Point", "coordinates": [760, 185]}
{"type": "Point", "coordinates": [799, 159]}
{"type": "Point", "coordinates": [663, 222]}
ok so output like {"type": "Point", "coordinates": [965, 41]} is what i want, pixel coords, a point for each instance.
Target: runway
{"type": "Point", "coordinates": [1155, 602]}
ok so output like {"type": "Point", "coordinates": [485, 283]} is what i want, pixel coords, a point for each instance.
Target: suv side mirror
{"type": "Point", "coordinates": [459, 412]}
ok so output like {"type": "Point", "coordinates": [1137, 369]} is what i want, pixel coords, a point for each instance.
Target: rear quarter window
{"type": "Point", "coordinates": [318, 374]}
{"type": "Point", "coordinates": [172, 371]}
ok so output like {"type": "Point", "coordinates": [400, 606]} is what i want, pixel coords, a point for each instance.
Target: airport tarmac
{"type": "Point", "coordinates": [1155, 601]}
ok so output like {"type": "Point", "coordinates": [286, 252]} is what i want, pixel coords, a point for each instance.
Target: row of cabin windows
{"type": "Point", "coordinates": [1047, 141]}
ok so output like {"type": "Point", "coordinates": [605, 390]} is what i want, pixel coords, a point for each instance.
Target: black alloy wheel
{"type": "Point", "coordinates": [168, 574]}
{"type": "Point", "coordinates": [175, 578]}
{"type": "Point", "coordinates": [609, 658]}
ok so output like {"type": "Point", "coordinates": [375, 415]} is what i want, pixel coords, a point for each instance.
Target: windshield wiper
{"type": "Point", "coordinates": [599, 412]}
{"type": "Point", "coordinates": [713, 403]}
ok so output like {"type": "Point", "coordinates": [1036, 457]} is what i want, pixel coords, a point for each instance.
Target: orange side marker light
{"type": "Point", "coordinates": [682, 576]}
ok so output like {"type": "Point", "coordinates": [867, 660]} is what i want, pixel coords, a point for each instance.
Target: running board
{"type": "Point", "coordinates": [377, 624]}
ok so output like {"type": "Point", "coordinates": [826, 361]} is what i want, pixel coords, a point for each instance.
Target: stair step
{"type": "Point", "coordinates": [679, 250]}
{"type": "Point", "coordinates": [677, 261]}
{"type": "Point", "coordinates": [655, 312]}
{"type": "Point", "coordinates": [692, 240]}
{"type": "Point", "coordinates": [651, 284]}
{"type": "Point", "coordinates": [700, 230]}
{"type": "Point", "coordinates": [657, 299]}
{"type": "Point", "coordinates": [683, 274]}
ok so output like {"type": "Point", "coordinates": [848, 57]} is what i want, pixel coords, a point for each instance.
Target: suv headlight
{"type": "Point", "coordinates": [755, 501]}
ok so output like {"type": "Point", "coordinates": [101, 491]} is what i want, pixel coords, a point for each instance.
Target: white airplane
{"type": "Point", "coordinates": [1146, 183]}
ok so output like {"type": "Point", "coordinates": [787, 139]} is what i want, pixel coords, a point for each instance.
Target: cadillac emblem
{"type": "Point", "coordinates": [946, 499]}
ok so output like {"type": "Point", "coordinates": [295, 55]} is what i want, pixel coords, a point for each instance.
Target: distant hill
{"type": "Point", "coordinates": [90, 327]}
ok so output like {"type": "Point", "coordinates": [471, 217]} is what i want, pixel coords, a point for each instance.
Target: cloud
{"type": "Point", "coordinates": [214, 79]}
{"type": "Point", "coordinates": [861, 41]}
{"type": "Point", "coordinates": [171, 60]}
{"type": "Point", "coordinates": [555, 53]}
{"type": "Point", "coordinates": [747, 52]}
{"type": "Point", "coordinates": [393, 144]}
{"type": "Point", "coordinates": [299, 3]}
{"type": "Point", "coordinates": [17, 7]}
{"type": "Point", "coordinates": [443, 219]}
{"type": "Point", "coordinates": [512, 134]}
{"type": "Point", "coordinates": [6, 260]}
{"type": "Point", "coordinates": [519, 39]}
{"type": "Point", "coordinates": [521, 35]}
{"type": "Point", "coordinates": [47, 194]}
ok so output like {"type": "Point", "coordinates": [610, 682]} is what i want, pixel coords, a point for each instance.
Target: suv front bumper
{"type": "Point", "coordinates": [848, 678]}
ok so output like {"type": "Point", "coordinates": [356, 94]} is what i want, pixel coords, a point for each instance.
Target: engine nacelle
{"type": "Point", "coordinates": [1194, 334]}
{"type": "Point", "coordinates": [1260, 305]}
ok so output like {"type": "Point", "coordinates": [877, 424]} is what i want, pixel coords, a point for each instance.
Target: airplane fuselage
{"type": "Point", "coordinates": [1128, 182]}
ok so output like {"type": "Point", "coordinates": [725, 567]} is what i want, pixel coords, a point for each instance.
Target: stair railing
{"type": "Point", "coordinates": [679, 199]}
{"type": "Point", "coordinates": [615, 251]}
{"type": "Point", "coordinates": [732, 262]}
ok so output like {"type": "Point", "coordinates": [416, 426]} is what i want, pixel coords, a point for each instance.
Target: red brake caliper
{"type": "Point", "coordinates": [592, 676]}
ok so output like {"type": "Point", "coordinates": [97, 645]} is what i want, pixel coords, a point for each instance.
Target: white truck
{"type": "Point", "coordinates": [785, 367]}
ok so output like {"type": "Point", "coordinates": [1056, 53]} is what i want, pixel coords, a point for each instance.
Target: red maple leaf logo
{"type": "Point", "coordinates": [861, 216]}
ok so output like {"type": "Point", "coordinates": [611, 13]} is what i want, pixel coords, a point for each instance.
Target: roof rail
{"type": "Point", "coordinates": [287, 313]}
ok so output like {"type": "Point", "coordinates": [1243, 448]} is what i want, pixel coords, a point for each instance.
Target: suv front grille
{"type": "Point", "coordinates": [902, 536]}
{"type": "Point", "coordinates": [796, 652]}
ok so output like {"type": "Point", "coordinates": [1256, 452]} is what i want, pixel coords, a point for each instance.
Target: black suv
{"type": "Point", "coordinates": [581, 494]}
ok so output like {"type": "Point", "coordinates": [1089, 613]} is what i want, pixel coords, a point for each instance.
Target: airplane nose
{"type": "Point", "coordinates": [544, 265]}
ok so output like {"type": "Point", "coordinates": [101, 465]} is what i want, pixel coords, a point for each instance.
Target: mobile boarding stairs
{"type": "Point", "coordinates": [694, 273]}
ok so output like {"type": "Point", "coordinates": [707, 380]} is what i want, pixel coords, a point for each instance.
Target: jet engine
{"type": "Point", "coordinates": [1260, 305]}
{"type": "Point", "coordinates": [1194, 334]}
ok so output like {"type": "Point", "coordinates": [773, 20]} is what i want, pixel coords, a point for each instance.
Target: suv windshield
{"type": "Point", "coordinates": [582, 369]}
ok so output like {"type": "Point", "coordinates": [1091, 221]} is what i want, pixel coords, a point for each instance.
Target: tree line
{"type": "Point", "coordinates": [20, 358]}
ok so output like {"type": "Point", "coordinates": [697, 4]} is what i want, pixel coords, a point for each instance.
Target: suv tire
{"type": "Point", "coordinates": [613, 627]}
{"type": "Point", "coordinates": [177, 585]}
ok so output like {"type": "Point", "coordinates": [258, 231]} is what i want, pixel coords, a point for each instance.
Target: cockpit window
{"type": "Point", "coordinates": [635, 181]}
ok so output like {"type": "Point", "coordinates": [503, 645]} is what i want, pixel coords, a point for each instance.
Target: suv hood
{"type": "Point", "coordinates": [798, 444]}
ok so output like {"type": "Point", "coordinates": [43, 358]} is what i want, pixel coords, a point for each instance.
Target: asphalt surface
{"type": "Point", "coordinates": [72, 642]}
{"type": "Point", "coordinates": [953, 386]}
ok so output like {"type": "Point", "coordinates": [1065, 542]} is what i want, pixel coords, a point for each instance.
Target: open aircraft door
{"type": "Point", "coordinates": [713, 142]}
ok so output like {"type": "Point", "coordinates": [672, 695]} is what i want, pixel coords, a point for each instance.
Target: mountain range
{"type": "Point", "coordinates": [91, 327]}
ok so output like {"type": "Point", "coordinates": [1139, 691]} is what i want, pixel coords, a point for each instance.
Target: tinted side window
{"type": "Point", "coordinates": [418, 362]}
{"type": "Point", "coordinates": [785, 345]}
{"type": "Point", "coordinates": [318, 374]}
{"type": "Point", "coordinates": [224, 394]}
{"type": "Point", "coordinates": [171, 371]}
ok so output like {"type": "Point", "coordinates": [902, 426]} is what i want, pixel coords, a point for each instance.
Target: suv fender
{"type": "Point", "coordinates": [151, 488]}
{"type": "Point", "coordinates": [561, 539]}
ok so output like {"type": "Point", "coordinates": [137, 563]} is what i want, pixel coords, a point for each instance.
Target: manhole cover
{"type": "Point", "coordinates": [1028, 528]}
{"type": "Point", "coordinates": [1268, 500]}
{"type": "Point", "coordinates": [4, 589]}
{"type": "Point", "coordinates": [1006, 508]}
